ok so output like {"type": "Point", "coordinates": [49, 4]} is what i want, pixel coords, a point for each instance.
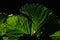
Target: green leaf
{"type": "Point", "coordinates": [2, 29]}
{"type": "Point", "coordinates": [55, 36]}
{"type": "Point", "coordinates": [12, 20]}
{"type": "Point", "coordinates": [14, 33]}
{"type": "Point", "coordinates": [5, 38]}
{"type": "Point", "coordinates": [9, 38]}
{"type": "Point", "coordinates": [56, 33]}
{"type": "Point", "coordinates": [24, 24]}
{"type": "Point", "coordinates": [37, 13]}
{"type": "Point", "coordinates": [2, 24]}
{"type": "Point", "coordinates": [17, 26]}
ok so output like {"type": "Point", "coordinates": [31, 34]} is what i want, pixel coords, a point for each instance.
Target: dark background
{"type": "Point", "coordinates": [13, 6]}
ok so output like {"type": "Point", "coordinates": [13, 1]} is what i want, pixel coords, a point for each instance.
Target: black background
{"type": "Point", "coordinates": [13, 6]}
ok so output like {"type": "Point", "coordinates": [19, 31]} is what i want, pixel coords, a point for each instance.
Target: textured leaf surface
{"type": "Point", "coordinates": [2, 29]}
{"type": "Point", "coordinates": [55, 36]}
{"type": "Point", "coordinates": [17, 26]}
{"type": "Point", "coordinates": [38, 14]}
{"type": "Point", "coordinates": [5, 38]}
{"type": "Point", "coordinates": [56, 33]}
{"type": "Point", "coordinates": [2, 24]}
